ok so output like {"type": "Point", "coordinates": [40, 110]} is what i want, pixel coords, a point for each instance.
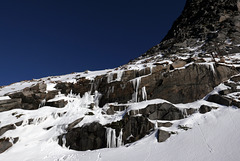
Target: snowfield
{"type": "Point", "coordinates": [213, 137]}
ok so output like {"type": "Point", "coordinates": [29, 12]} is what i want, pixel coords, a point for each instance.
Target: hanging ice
{"type": "Point", "coordinates": [144, 93]}
{"type": "Point", "coordinates": [119, 139]}
{"type": "Point", "coordinates": [97, 97]}
{"type": "Point", "coordinates": [136, 83]}
{"type": "Point", "coordinates": [112, 140]}
{"type": "Point", "coordinates": [43, 102]}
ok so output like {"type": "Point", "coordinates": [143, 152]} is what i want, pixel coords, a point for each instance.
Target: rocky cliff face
{"type": "Point", "coordinates": [206, 25]}
{"type": "Point", "coordinates": [111, 108]}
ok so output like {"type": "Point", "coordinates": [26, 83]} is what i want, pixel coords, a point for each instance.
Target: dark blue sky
{"type": "Point", "coordinates": [40, 38]}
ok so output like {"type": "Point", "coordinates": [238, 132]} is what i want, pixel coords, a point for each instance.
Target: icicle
{"type": "Point", "coordinates": [110, 77]}
{"type": "Point", "coordinates": [64, 141]}
{"type": "Point", "coordinates": [97, 97]}
{"type": "Point", "coordinates": [109, 137]}
{"type": "Point", "coordinates": [112, 140]}
{"type": "Point", "coordinates": [184, 112]}
{"type": "Point", "coordinates": [119, 75]}
{"type": "Point", "coordinates": [119, 139]}
{"type": "Point", "coordinates": [136, 83]}
{"type": "Point", "coordinates": [156, 125]}
{"type": "Point", "coordinates": [42, 103]}
{"type": "Point", "coordinates": [144, 93]}
{"type": "Point", "coordinates": [91, 88]}
{"type": "Point", "coordinates": [112, 89]}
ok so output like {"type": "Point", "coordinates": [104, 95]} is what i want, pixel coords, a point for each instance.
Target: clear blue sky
{"type": "Point", "coordinates": [41, 38]}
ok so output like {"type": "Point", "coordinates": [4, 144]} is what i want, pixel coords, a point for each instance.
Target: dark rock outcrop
{"type": "Point", "coordinates": [113, 108]}
{"type": "Point", "coordinates": [30, 98]}
{"type": "Point", "coordinates": [204, 109]}
{"type": "Point", "coordinates": [133, 128]}
{"type": "Point", "coordinates": [220, 100]}
{"type": "Point", "coordinates": [93, 136]}
{"type": "Point", "coordinates": [214, 22]}
{"type": "Point", "coordinates": [6, 143]}
{"type": "Point", "coordinates": [173, 86]}
{"type": "Point", "coordinates": [164, 111]}
{"type": "Point", "coordinates": [58, 104]}
{"type": "Point", "coordinates": [162, 135]}
{"type": "Point", "coordinates": [88, 137]}
{"type": "Point", "coordinates": [74, 123]}
{"type": "Point", "coordinates": [10, 104]}
{"type": "Point", "coordinates": [6, 128]}
{"type": "Point", "coordinates": [207, 29]}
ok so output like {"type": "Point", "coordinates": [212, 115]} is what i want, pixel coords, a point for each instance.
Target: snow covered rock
{"type": "Point", "coordinates": [169, 91]}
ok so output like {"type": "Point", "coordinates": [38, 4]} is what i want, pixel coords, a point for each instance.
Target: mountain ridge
{"type": "Point", "coordinates": [159, 97]}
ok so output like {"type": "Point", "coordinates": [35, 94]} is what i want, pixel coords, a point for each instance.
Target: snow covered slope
{"type": "Point", "coordinates": [179, 101]}
{"type": "Point", "coordinates": [213, 136]}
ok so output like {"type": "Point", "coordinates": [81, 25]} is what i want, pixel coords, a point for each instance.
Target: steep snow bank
{"type": "Point", "coordinates": [213, 137]}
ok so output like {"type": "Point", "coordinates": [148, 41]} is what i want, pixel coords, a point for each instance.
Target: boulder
{"type": "Point", "coordinates": [162, 111]}
{"type": "Point", "coordinates": [162, 135]}
{"type": "Point", "coordinates": [219, 100]}
{"type": "Point", "coordinates": [6, 143]}
{"type": "Point", "coordinates": [204, 109]}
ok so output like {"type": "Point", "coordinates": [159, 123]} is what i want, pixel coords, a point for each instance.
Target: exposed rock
{"type": "Point", "coordinates": [19, 123]}
{"type": "Point", "coordinates": [235, 78]}
{"type": "Point", "coordinates": [165, 124]}
{"type": "Point", "coordinates": [204, 109]}
{"type": "Point", "coordinates": [178, 64]}
{"type": "Point", "coordinates": [93, 136]}
{"type": "Point", "coordinates": [58, 104]}
{"type": "Point", "coordinates": [210, 31]}
{"type": "Point", "coordinates": [6, 128]}
{"type": "Point", "coordinates": [173, 86]}
{"type": "Point", "coordinates": [10, 104]}
{"type": "Point", "coordinates": [162, 135]}
{"type": "Point", "coordinates": [184, 127]}
{"type": "Point", "coordinates": [219, 100]}
{"type": "Point", "coordinates": [230, 84]}
{"type": "Point", "coordinates": [74, 123]}
{"type": "Point", "coordinates": [88, 137]}
{"type": "Point", "coordinates": [51, 94]}
{"type": "Point", "coordinates": [236, 103]}
{"type": "Point", "coordinates": [133, 127]}
{"type": "Point", "coordinates": [163, 111]}
{"type": "Point", "coordinates": [176, 86]}
{"type": "Point", "coordinates": [204, 24]}
{"type": "Point", "coordinates": [190, 111]}
{"type": "Point", "coordinates": [225, 92]}
{"type": "Point", "coordinates": [6, 143]}
{"type": "Point", "coordinates": [112, 109]}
